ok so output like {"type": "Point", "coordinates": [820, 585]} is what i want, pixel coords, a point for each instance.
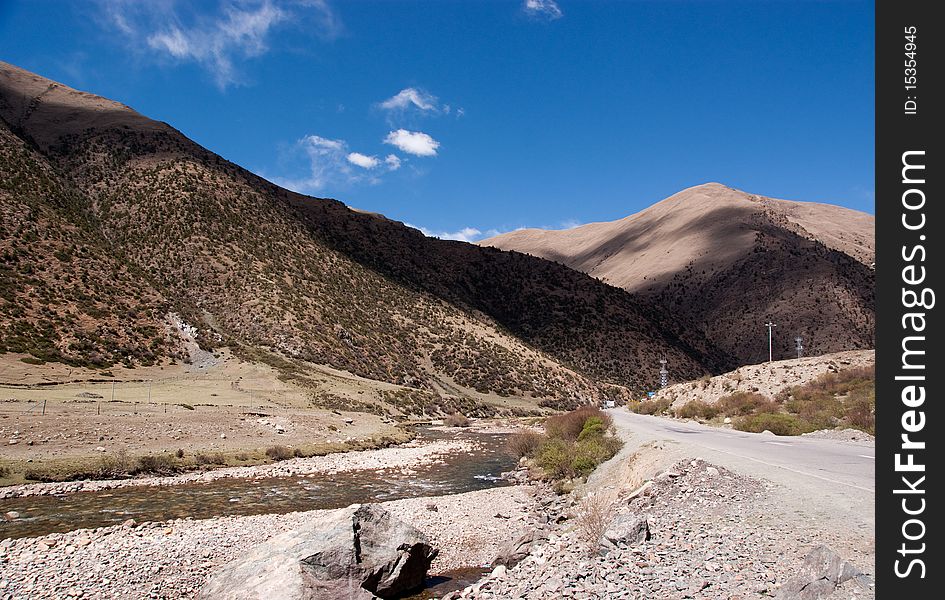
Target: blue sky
{"type": "Point", "coordinates": [469, 118]}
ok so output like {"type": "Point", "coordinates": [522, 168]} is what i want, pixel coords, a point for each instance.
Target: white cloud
{"type": "Point", "coordinates": [408, 97]}
{"type": "Point", "coordinates": [363, 161]}
{"type": "Point", "coordinates": [329, 163]}
{"type": "Point", "coordinates": [547, 9]}
{"type": "Point", "coordinates": [413, 142]}
{"type": "Point", "coordinates": [216, 41]}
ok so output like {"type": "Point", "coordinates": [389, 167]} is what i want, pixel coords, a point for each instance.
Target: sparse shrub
{"type": "Point", "coordinates": [594, 515]}
{"type": "Point", "coordinates": [4, 471]}
{"type": "Point", "coordinates": [650, 407]}
{"type": "Point", "coordinates": [746, 403]}
{"type": "Point", "coordinates": [116, 465]}
{"type": "Point", "coordinates": [456, 420]}
{"type": "Point", "coordinates": [697, 409]}
{"type": "Point", "coordinates": [187, 406]}
{"type": "Point", "coordinates": [297, 453]}
{"type": "Point", "coordinates": [778, 424]}
{"type": "Point", "coordinates": [859, 410]}
{"type": "Point", "coordinates": [569, 425]}
{"type": "Point", "coordinates": [179, 453]}
{"type": "Point", "coordinates": [523, 443]}
{"type": "Point", "coordinates": [279, 453]}
{"type": "Point", "coordinates": [156, 464]}
{"type": "Point", "coordinates": [241, 456]}
{"type": "Point", "coordinates": [212, 458]}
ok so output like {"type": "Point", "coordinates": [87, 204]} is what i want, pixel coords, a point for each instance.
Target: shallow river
{"type": "Point", "coordinates": [478, 470]}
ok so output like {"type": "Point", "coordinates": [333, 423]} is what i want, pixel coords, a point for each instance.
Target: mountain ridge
{"type": "Point", "coordinates": [727, 261]}
{"type": "Point", "coordinates": [254, 266]}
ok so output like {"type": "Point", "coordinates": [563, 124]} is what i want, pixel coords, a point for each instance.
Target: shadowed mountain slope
{"type": "Point", "coordinates": [116, 229]}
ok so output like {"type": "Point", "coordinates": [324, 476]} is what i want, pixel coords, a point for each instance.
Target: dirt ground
{"type": "Point", "coordinates": [55, 413]}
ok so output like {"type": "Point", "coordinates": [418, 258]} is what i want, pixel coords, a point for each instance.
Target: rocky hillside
{"type": "Point", "coordinates": [727, 261]}
{"type": "Point", "coordinates": [120, 238]}
{"type": "Point", "coordinates": [767, 379]}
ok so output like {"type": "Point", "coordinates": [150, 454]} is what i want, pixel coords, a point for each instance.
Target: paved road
{"type": "Point", "coordinates": [842, 467]}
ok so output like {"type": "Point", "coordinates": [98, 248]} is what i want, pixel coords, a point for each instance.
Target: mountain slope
{"type": "Point", "coordinates": [727, 261]}
{"type": "Point", "coordinates": [163, 229]}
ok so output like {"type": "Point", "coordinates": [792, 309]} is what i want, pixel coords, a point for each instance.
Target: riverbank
{"type": "Point", "coordinates": [173, 559]}
{"type": "Point", "coordinates": [404, 459]}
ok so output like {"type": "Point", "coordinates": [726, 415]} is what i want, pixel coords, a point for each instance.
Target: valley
{"type": "Point", "coordinates": [205, 375]}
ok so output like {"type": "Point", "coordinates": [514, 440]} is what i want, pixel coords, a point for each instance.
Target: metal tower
{"type": "Point", "coordinates": [799, 345]}
{"type": "Point", "coordinates": [664, 374]}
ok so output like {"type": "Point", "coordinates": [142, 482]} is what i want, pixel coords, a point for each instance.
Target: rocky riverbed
{"type": "Point", "coordinates": [173, 559]}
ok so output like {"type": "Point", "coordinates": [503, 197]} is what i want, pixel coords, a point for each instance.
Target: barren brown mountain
{"type": "Point", "coordinates": [120, 237]}
{"type": "Point", "coordinates": [727, 261]}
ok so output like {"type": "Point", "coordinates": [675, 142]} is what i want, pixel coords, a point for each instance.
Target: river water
{"type": "Point", "coordinates": [466, 472]}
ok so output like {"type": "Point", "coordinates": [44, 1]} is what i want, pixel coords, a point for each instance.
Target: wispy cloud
{"type": "Point", "coordinates": [410, 97]}
{"type": "Point", "coordinates": [219, 39]}
{"type": "Point", "coordinates": [410, 104]}
{"type": "Point", "coordinates": [545, 9]}
{"type": "Point", "coordinates": [330, 163]}
{"type": "Point", "coordinates": [413, 142]}
{"type": "Point", "coordinates": [473, 234]}
{"type": "Point", "coordinates": [465, 234]}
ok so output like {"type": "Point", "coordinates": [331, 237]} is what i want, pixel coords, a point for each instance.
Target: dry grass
{"type": "Point", "coordinates": [456, 420]}
{"type": "Point", "coordinates": [594, 515]}
{"type": "Point", "coordinates": [523, 443]}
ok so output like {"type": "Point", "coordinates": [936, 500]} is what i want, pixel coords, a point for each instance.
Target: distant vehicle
{"type": "Point", "coordinates": [610, 404]}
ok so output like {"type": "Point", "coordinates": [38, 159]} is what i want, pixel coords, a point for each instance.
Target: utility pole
{"type": "Point", "coordinates": [798, 341]}
{"type": "Point", "coordinates": [664, 374]}
{"type": "Point", "coordinates": [149, 392]}
{"type": "Point", "coordinates": [770, 325]}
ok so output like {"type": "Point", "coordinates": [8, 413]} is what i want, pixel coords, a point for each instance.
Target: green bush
{"type": "Point", "coordinates": [554, 457]}
{"type": "Point", "coordinates": [592, 451]}
{"type": "Point", "coordinates": [593, 427]}
{"type": "Point", "coordinates": [778, 424]}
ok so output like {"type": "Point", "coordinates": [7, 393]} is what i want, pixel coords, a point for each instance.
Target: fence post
{"type": "Point", "coordinates": [44, 406]}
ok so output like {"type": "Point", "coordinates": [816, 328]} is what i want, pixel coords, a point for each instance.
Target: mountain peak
{"type": "Point", "coordinates": [47, 111]}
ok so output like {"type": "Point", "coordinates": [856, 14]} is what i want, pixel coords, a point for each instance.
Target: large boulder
{"type": "Point", "coordinates": [628, 530]}
{"type": "Point", "coordinates": [821, 573]}
{"type": "Point", "coordinates": [352, 553]}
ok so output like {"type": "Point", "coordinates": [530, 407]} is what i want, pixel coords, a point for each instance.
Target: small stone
{"type": "Point", "coordinates": [11, 515]}
{"type": "Point", "coordinates": [129, 524]}
{"type": "Point", "coordinates": [498, 572]}
{"type": "Point", "coordinates": [222, 436]}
